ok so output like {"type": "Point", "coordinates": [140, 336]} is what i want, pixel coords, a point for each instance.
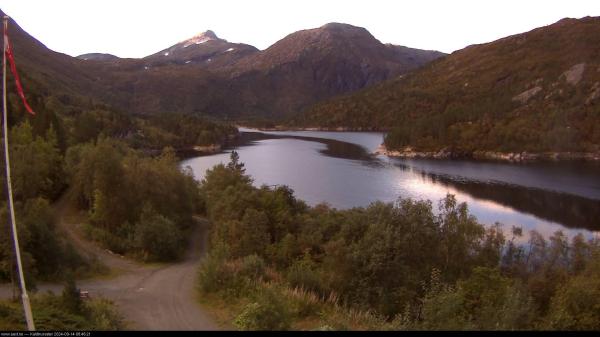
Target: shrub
{"type": "Point", "coordinates": [269, 312]}
{"type": "Point", "coordinates": [104, 316]}
{"type": "Point", "coordinates": [252, 267]}
{"type": "Point", "coordinates": [576, 306]}
{"type": "Point", "coordinates": [158, 236]}
{"type": "Point", "coordinates": [71, 300]}
{"type": "Point", "coordinates": [302, 274]}
{"type": "Point", "coordinates": [212, 273]}
{"type": "Point", "coordinates": [51, 313]}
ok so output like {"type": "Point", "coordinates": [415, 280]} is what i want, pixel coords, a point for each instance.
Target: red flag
{"type": "Point", "coordinates": [13, 69]}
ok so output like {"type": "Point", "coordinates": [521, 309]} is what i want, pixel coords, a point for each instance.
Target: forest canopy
{"type": "Point", "coordinates": [403, 265]}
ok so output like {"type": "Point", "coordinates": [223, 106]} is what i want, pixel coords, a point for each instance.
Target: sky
{"type": "Point", "coordinates": [137, 28]}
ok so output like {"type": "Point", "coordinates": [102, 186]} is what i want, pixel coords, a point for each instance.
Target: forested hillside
{"type": "Point", "coordinates": [537, 91]}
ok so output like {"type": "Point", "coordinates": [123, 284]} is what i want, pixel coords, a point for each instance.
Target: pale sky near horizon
{"type": "Point", "coordinates": [136, 28]}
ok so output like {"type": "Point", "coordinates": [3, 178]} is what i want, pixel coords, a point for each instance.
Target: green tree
{"type": "Point", "coordinates": [157, 236]}
{"type": "Point", "coordinates": [234, 163]}
{"type": "Point", "coordinates": [42, 244]}
{"type": "Point", "coordinates": [576, 305]}
{"type": "Point", "coordinates": [484, 301]}
{"type": "Point", "coordinates": [36, 164]}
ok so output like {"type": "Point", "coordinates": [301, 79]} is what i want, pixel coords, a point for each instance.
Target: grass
{"type": "Point", "coordinates": [50, 313]}
{"type": "Point", "coordinates": [222, 311]}
{"type": "Point", "coordinates": [308, 311]}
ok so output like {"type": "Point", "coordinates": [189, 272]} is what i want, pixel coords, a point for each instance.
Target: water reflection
{"type": "Point", "coordinates": [334, 148]}
{"type": "Point", "coordinates": [569, 210]}
{"type": "Point", "coordinates": [338, 168]}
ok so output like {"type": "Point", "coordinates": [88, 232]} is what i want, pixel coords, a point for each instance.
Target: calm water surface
{"type": "Point", "coordinates": [338, 168]}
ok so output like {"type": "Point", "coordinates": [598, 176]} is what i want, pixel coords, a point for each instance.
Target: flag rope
{"type": "Point", "coordinates": [24, 296]}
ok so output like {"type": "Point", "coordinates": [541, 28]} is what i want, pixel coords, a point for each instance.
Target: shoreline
{"type": "Point", "coordinates": [197, 150]}
{"type": "Point", "coordinates": [524, 156]}
{"type": "Point", "coordinates": [330, 129]}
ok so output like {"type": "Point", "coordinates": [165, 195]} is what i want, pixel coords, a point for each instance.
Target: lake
{"type": "Point", "coordinates": [338, 168]}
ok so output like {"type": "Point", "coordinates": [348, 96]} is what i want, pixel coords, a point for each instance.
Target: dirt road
{"type": "Point", "coordinates": [150, 298]}
{"type": "Point", "coordinates": [160, 298]}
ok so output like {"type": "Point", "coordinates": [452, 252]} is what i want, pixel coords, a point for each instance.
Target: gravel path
{"type": "Point", "coordinates": [150, 297]}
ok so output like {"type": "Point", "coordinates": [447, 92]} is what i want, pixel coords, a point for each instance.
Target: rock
{"type": "Point", "coordinates": [574, 75]}
{"type": "Point", "coordinates": [595, 93]}
{"type": "Point", "coordinates": [527, 94]}
{"type": "Point", "coordinates": [208, 148]}
{"type": "Point", "coordinates": [524, 156]}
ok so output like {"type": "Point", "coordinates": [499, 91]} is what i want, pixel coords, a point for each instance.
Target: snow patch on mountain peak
{"type": "Point", "coordinates": [204, 37]}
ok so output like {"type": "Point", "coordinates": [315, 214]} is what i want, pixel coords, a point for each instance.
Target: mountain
{"type": "Point", "coordinates": [414, 58]}
{"type": "Point", "coordinates": [53, 80]}
{"type": "Point", "coordinates": [98, 57]}
{"type": "Point", "coordinates": [211, 76]}
{"type": "Point", "coordinates": [537, 91]}
{"type": "Point", "coordinates": [311, 65]}
{"type": "Point", "coordinates": [206, 74]}
{"type": "Point", "coordinates": [353, 47]}
{"type": "Point", "coordinates": [205, 48]}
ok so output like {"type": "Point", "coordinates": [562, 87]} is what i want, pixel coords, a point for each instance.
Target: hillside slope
{"type": "Point", "coordinates": [210, 76]}
{"type": "Point", "coordinates": [44, 71]}
{"type": "Point", "coordinates": [315, 64]}
{"type": "Point", "coordinates": [537, 91]}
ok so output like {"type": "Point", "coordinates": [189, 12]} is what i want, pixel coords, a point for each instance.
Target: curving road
{"type": "Point", "coordinates": [149, 297]}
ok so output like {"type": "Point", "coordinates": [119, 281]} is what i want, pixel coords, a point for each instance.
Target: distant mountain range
{"type": "Point", "coordinates": [211, 76]}
{"type": "Point", "coordinates": [537, 91]}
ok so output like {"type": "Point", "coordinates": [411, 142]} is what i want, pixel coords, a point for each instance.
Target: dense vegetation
{"type": "Point", "coordinates": [180, 131]}
{"type": "Point", "coordinates": [38, 179]}
{"type": "Point", "coordinates": [136, 203]}
{"type": "Point", "coordinates": [112, 162]}
{"type": "Point", "coordinates": [65, 312]}
{"type": "Point", "coordinates": [102, 155]}
{"type": "Point", "coordinates": [538, 91]}
{"type": "Point", "coordinates": [138, 200]}
{"type": "Point", "coordinates": [281, 264]}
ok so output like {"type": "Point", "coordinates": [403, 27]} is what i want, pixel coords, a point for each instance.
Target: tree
{"type": "Point", "coordinates": [36, 164]}
{"type": "Point", "coordinates": [484, 301]}
{"type": "Point", "coordinates": [252, 234]}
{"type": "Point", "coordinates": [235, 164]}
{"type": "Point", "coordinates": [461, 235]}
{"type": "Point", "coordinates": [157, 236]}
{"type": "Point", "coordinates": [576, 305]}
{"type": "Point", "coordinates": [43, 244]}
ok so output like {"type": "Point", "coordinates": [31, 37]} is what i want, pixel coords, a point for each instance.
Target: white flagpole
{"type": "Point", "coordinates": [24, 296]}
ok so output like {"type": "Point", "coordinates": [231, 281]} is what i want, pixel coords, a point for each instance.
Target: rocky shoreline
{"type": "Point", "coordinates": [209, 149]}
{"type": "Point", "coordinates": [336, 129]}
{"type": "Point", "coordinates": [212, 148]}
{"type": "Point", "coordinates": [524, 156]}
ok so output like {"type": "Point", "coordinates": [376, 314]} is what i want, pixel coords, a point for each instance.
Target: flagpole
{"type": "Point", "coordinates": [24, 296]}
